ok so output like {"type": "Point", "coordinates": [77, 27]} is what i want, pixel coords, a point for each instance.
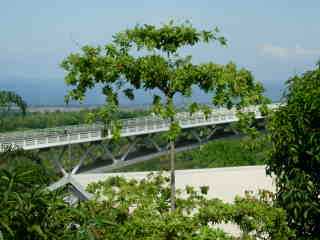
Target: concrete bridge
{"type": "Point", "coordinates": [64, 137]}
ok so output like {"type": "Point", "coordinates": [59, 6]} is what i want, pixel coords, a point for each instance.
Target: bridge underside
{"type": "Point", "coordinates": [107, 155]}
{"type": "Point", "coordinates": [73, 148]}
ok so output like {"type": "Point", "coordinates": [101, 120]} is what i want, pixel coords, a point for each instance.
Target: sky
{"type": "Point", "coordinates": [273, 39]}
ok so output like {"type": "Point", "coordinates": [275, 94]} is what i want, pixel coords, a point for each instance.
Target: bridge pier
{"type": "Point", "coordinates": [213, 129]}
{"type": "Point", "coordinates": [133, 141]}
{"type": "Point", "coordinates": [78, 190]}
{"type": "Point", "coordinates": [200, 137]}
{"type": "Point", "coordinates": [115, 160]}
{"type": "Point", "coordinates": [68, 178]}
{"type": "Point", "coordinates": [57, 162]}
{"type": "Point", "coordinates": [107, 152]}
{"type": "Point", "coordinates": [157, 147]}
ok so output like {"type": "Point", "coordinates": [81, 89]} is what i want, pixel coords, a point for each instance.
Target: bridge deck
{"type": "Point", "coordinates": [53, 137]}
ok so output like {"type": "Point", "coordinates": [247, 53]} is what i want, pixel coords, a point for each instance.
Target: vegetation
{"type": "Point", "coordinates": [129, 210]}
{"type": "Point", "coordinates": [26, 207]}
{"type": "Point", "coordinates": [207, 157]}
{"type": "Point", "coordinates": [158, 66]}
{"type": "Point", "coordinates": [7, 101]}
{"type": "Point", "coordinates": [219, 153]}
{"type": "Point", "coordinates": [295, 155]}
{"type": "Point", "coordinates": [16, 122]}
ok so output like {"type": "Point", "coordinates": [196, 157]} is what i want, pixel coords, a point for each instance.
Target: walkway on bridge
{"type": "Point", "coordinates": [97, 135]}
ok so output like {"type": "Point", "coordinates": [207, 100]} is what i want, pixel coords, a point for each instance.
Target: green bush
{"type": "Point", "coordinates": [128, 209]}
{"type": "Point", "coordinates": [295, 154]}
{"type": "Point", "coordinates": [141, 210]}
{"type": "Point", "coordinates": [26, 207]}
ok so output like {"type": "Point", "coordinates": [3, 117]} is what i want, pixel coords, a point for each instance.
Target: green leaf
{"type": "Point", "coordinates": [37, 229]}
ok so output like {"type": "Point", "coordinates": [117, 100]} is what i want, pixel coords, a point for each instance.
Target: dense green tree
{"type": "Point", "coordinates": [295, 157]}
{"type": "Point", "coordinates": [7, 100]}
{"type": "Point", "coordinates": [147, 57]}
{"type": "Point", "coordinates": [26, 207]}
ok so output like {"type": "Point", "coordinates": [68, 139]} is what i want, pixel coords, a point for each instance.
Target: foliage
{"type": "Point", "coordinates": [219, 153]}
{"type": "Point", "coordinates": [141, 210]}
{"type": "Point", "coordinates": [35, 120]}
{"type": "Point", "coordinates": [20, 160]}
{"type": "Point", "coordinates": [295, 154]}
{"type": "Point", "coordinates": [128, 209]}
{"type": "Point", "coordinates": [25, 206]}
{"type": "Point", "coordinates": [7, 99]}
{"type": "Point", "coordinates": [158, 66]}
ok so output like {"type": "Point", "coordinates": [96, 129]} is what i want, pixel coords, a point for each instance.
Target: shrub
{"type": "Point", "coordinates": [26, 207]}
{"type": "Point", "coordinates": [295, 154]}
{"type": "Point", "coordinates": [130, 209]}
{"type": "Point", "coordinates": [142, 211]}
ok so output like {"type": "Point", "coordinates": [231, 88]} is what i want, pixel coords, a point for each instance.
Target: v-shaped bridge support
{"type": "Point", "coordinates": [88, 152]}
{"type": "Point", "coordinates": [68, 178]}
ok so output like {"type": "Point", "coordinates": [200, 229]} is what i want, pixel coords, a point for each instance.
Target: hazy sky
{"type": "Point", "coordinates": [274, 39]}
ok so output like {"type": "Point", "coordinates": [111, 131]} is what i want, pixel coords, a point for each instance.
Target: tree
{"type": "Point", "coordinates": [7, 99]}
{"type": "Point", "coordinates": [147, 57]}
{"type": "Point", "coordinates": [295, 155]}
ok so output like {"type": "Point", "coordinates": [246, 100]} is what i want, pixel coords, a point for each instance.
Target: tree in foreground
{"type": "Point", "coordinates": [295, 156]}
{"type": "Point", "coordinates": [147, 57]}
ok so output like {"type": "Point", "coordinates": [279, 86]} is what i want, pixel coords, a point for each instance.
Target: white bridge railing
{"type": "Point", "coordinates": [52, 137]}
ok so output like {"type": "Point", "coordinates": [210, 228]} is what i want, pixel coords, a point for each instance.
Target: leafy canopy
{"type": "Point", "coordinates": [147, 57]}
{"type": "Point", "coordinates": [295, 156]}
{"type": "Point", "coordinates": [8, 99]}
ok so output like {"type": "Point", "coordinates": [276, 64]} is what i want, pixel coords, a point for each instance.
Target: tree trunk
{"type": "Point", "coordinates": [172, 171]}
{"type": "Point", "coordinates": [173, 176]}
{"type": "Point", "coordinates": [172, 161]}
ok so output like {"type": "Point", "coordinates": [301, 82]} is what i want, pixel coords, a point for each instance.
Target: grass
{"type": "Point", "coordinates": [219, 153]}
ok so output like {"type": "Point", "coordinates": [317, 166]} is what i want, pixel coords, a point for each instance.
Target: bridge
{"type": "Point", "coordinates": [66, 136]}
